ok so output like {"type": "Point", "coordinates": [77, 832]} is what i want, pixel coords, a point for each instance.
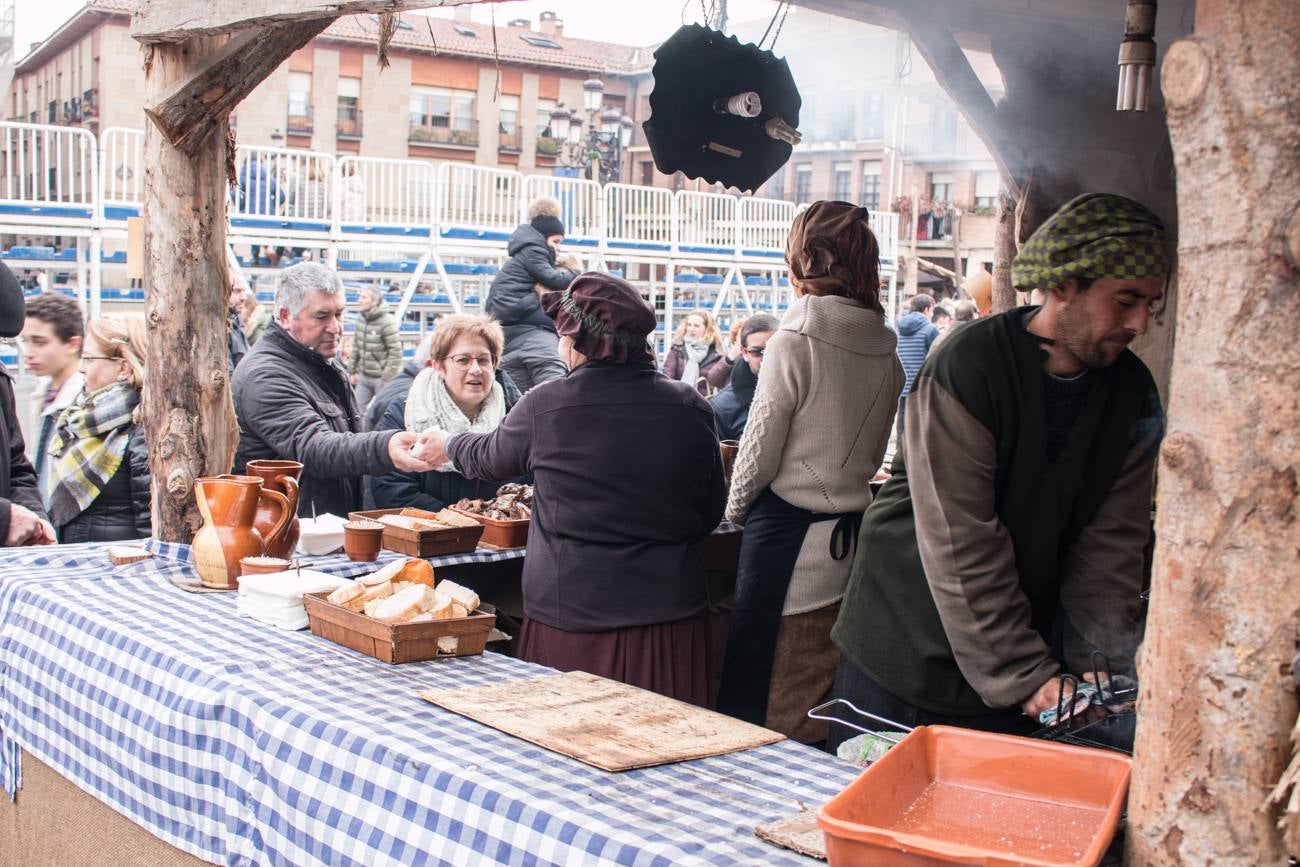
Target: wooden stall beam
{"type": "Point", "coordinates": [178, 20]}
{"type": "Point", "coordinates": [189, 111]}
{"type": "Point", "coordinates": [955, 75]}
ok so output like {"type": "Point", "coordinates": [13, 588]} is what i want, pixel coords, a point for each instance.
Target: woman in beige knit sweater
{"type": "Point", "coordinates": [817, 432]}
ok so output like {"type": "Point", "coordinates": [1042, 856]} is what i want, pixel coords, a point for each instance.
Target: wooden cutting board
{"type": "Point", "coordinates": [602, 722]}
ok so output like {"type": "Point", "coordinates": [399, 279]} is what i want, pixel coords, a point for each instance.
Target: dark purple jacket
{"type": "Point", "coordinates": [628, 479]}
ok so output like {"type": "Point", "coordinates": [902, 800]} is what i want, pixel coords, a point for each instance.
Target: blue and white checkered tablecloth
{"type": "Point", "coordinates": [244, 744]}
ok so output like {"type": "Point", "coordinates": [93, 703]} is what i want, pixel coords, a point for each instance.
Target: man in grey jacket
{"type": "Point", "coordinates": [294, 401]}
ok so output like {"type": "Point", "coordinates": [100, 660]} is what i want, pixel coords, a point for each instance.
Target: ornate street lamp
{"type": "Point", "coordinates": [597, 151]}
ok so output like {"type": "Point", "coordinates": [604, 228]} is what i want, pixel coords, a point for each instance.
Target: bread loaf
{"type": "Point", "coordinates": [376, 592]}
{"type": "Point", "coordinates": [349, 596]}
{"type": "Point", "coordinates": [123, 554]}
{"type": "Point", "coordinates": [465, 597]}
{"type": "Point", "coordinates": [388, 573]}
{"type": "Point", "coordinates": [401, 607]}
{"type": "Point", "coordinates": [453, 518]}
{"type": "Point", "coordinates": [440, 606]}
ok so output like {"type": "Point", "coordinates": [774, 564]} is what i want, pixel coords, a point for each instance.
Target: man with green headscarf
{"type": "Point", "coordinates": [1008, 546]}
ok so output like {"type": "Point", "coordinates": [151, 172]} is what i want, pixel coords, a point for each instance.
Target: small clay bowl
{"type": "Point", "coordinates": [262, 565]}
{"type": "Point", "coordinates": [362, 540]}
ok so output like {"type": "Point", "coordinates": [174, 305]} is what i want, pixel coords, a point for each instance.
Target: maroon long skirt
{"type": "Point", "coordinates": [671, 659]}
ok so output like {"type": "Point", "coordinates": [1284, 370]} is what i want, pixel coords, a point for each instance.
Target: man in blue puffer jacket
{"type": "Point", "coordinates": [532, 347]}
{"type": "Point", "coordinates": [916, 334]}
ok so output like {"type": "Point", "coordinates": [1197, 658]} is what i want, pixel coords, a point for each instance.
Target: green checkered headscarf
{"type": "Point", "coordinates": [1096, 235]}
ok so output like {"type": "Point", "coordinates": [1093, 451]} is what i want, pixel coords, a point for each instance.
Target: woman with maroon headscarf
{"type": "Point", "coordinates": [628, 479]}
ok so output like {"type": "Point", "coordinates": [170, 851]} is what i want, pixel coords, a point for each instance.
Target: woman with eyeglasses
{"type": "Point", "coordinates": [462, 390]}
{"type": "Point", "coordinates": [816, 434]}
{"type": "Point", "coordinates": [99, 474]}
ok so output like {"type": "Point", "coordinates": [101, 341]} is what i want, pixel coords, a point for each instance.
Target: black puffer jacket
{"type": "Point", "coordinates": [121, 511]}
{"type": "Point", "coordinates": [512, 300]}
{"type": "Point", "coordinates": [294, 405]}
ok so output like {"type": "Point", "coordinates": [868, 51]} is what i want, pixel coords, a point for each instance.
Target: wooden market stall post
{"type": "Point", "coordinates": [1218, 685]}
{"type": "Point", "coordinates": [201, 59]}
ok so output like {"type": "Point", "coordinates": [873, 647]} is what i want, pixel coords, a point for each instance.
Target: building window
{"type": "Point", "coordinates": [52, 115]}
{"type": "Point", "coordinates": [349, 106]}
{"type": "Point", "coordinates": [842, 182]}
{"type": "Point", "coordinates": [987, 185]}
{"type": "Point", "coordinates": [508, 123]}
{"type": "Point", "coordinates": [546, 145]}
{"type": "Point", "coordinates": [941, 188]}
{"type": "Point", "coordinates": [299, 119]}
{"type": "Point", "coordinates": [802, 184]}
{"type": "Point", "coordinates": [873, 116]}
{"type": "Point", "coordinates": [871, 186]}
{"type": "Point", "coordinates": [443, 116]}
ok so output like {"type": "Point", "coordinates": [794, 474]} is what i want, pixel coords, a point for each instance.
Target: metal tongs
{"type": "Point", "coordinates": [1107, 719]}
{"type": "Point", "coordinates": [819, 713]}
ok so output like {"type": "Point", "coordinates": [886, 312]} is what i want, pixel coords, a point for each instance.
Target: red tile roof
{"type": "Point", "coordinates": [430, 33]}
{"type": "Point", "coordinates": [422, 33]}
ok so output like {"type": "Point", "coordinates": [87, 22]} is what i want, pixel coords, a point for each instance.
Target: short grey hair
{"type": "Point", "coordinates": [424, 351]}
{"type": "Point", "coordinates": [297, 281]}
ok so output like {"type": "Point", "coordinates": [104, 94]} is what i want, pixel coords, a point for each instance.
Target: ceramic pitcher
{"type": "Point", "coordinates": [280, 476]}
{"type": "Point", "coordinates": [228, 505]}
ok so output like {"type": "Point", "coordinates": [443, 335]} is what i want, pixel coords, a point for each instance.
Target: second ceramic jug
{"type": "Point", "coordinates": [282, 477]}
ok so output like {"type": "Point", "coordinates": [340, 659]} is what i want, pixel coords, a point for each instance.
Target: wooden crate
{"type": "Point", "coordinates": [502, 534]}
{"type": "Point", "coordinates": [398, 642]}
{"type": "Point", "coordinates": [422, 543]}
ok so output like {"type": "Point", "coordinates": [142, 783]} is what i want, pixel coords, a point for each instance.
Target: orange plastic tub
{"type": "Point", "coordinates": [956, 796]}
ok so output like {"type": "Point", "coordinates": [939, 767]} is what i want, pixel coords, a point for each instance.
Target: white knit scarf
{"type": "Point", "coordinates": [430, 405]}
{"type": "Point", "coordinates": [696, 350]}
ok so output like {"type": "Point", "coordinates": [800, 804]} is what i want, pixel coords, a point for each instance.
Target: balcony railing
{"type": "Point", "coordinates": [440, 131]}
{"type": "Point", "coordinates": [349, 122]}
{"type": "Point", "coordinates": [509, 140]}
{"type": "Point", "coordinates": [299, 120]}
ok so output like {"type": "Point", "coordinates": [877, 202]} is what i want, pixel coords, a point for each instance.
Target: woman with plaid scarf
{"type": "Point", "coordinates": [100, 473]}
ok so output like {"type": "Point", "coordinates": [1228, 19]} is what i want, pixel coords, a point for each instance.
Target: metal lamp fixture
{"type": "Point", "coordinates": [1137, 56]}
{"type": "Point", "coordinates": [560, 120]}
{"type": "Point", "coordinates": [593, 92]}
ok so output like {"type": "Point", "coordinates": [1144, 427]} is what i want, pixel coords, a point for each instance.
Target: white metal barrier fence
{"type": "Point", "coordinates": [706, 223]}
{"type": "Point", "coordinates": [66, 177]}
{"type": "Point", "coordinates": [384, 192]}
{"type": "Point", "coordinates": [121, 160]}
{"type": "Point", "coordinates": [478, 198]}
{"type": "Point", "coordinates": [639, 218]}
{"type": "Point", "coordinates": [580, 204]}
{"type": "Point", "coordinates": [49, 174]}
{"type": "Point", "coordinates": [296, 185]}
